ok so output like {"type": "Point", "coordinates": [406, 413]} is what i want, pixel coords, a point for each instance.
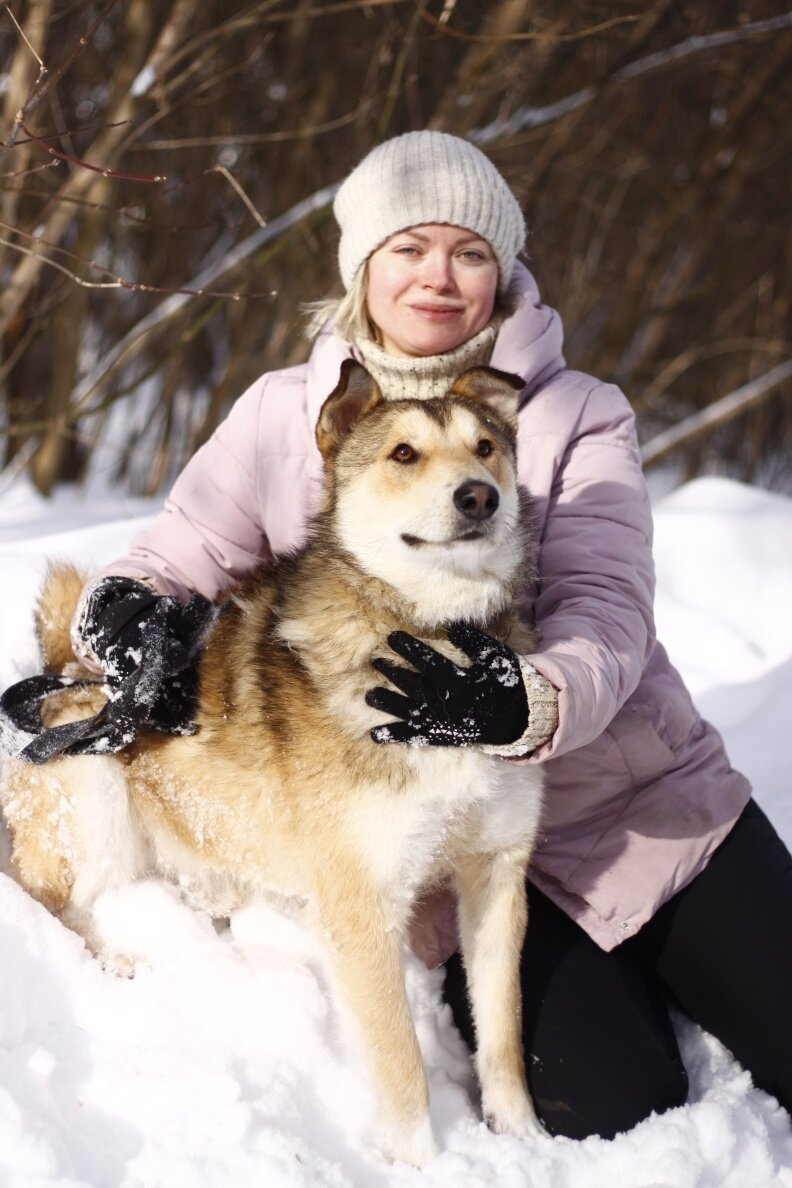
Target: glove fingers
{"type": "Point", "coordinates": [397, 732]}
{"type": "Point", "coordinates": [421, 656]}
{"type": "Point", "coordinates": [403, 678]}
{"type": "Point", "coordinates": [389, 702]}
{"type": "Point", "coordinates": [474, 643]}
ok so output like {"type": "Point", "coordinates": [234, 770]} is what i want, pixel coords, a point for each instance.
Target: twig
{"type": "Point", "coordinates": [716, 414]}
{"type": "Point", "coordinates": [252, 137]}
{"type": "Point", "coordinates": [21, 33]}
{"type": "Point", "coordinates": [257, 15]}
{"type": "Point", "coordinates": [535, 117]}
{"type": "Point", "coordinates": [398, 71]}
{"type": "Point", "coordinates": [440, 24]}
{"type": "Point", "coordinates": [82, 43]}
{"type": "Point", "coordinates": [100, 169]}
{"type": "Point", "coordinates": [232, 181]}
{"type": "Point", "coordinates": [17, 464]}
{"type": "Point", "coordinates": [117, 282]}
{"type": "Point", "coordinates": [329, 9]}
{"type": "Point", "coordinates": [32, 98]}
{"type": "Point", "coordinates": [46, 80]}
{"type": "Point", "coordinates": [658, 388]}
{"type": "Point", "coordinates": [32, 169]}
{"type": "Point", "coordinates": [70, 132]}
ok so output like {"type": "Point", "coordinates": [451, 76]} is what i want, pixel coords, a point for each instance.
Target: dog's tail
{"type": "Point", "coordinates": [55, 609]}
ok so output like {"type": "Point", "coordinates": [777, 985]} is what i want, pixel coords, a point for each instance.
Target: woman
{"type": "Point", "coordinates": [656, 879]}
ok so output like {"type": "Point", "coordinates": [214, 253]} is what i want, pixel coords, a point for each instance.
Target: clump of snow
{"type": "Point", "coordinates": [225, 1060]}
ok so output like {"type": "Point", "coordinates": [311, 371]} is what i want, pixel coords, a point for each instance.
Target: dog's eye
{"type": "Point", "coordinates": [404, 453]}
{"type": "Point", "coordinates": [484, 448]}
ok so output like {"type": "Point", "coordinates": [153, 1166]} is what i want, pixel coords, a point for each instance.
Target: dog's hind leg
{"type": "Point", "coordinates": [109, 847]}
{"type": "Point", "coordinates": [366, 960]}
{"type": "Point", "coordinates": [38, 818]}
{"type": "Point", "coordinates": [492, 919]}
{"type": "Point", "coordinates": [74, 835]}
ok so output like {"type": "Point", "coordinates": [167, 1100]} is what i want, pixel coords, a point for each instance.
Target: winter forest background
{"type": "Point", "coordinates": [152, 149]}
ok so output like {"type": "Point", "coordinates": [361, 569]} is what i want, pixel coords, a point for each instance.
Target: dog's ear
{"type": "Point", "coordinates": [498, 390]}
{"type": "Point", "coordinates": [355, 395]}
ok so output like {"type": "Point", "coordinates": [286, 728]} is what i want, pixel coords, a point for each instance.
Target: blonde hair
{"type": "Point", "coordinates": [348, 315]}
{"type": "Point", "coordinates": [349, 318]}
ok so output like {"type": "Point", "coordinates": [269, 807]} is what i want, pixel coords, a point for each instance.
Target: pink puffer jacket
{"type": "Point", "coordinates": [639, 789]}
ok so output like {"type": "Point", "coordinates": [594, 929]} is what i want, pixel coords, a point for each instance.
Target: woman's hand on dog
{"type": "Point", "coordinates": [444, 704]}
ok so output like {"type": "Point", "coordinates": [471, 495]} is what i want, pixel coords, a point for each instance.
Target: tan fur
{"type": "Point", "coordinates": [282, 787]}
{"type": "Point", "coordinates": [52, 615]}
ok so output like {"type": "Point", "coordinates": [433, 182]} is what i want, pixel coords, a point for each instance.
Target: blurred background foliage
{"type": "Point", "coordinates": [154, 148]}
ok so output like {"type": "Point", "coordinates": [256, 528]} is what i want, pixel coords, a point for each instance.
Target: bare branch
{"type": "Point", "coordinates": [719, 413]}
{"type": "Point", "coordinates": [232, 181]}
{"type": "Point", "coordinates": [105, 172]}
{"type": "Point", "coordinates": [45, 80]}
{"type": "Point", "coordinates": [259, 14]}
{"type": "Point", "coordinates": [117, 282]}
{"type": "Point", "coordinates": [698, 353]}
{"type": "Point", "coordinates": [254, 137]}
{"type": "Point", "coordinates": [398, 70]}
{"type": "Point", "coordinates": [440, 24]}
{"type": "Point", "coordinates": [21, 33]}
{"type": "Point", "coordinates": [32, 169]}
{"type": "Point", "coordinates": [535, 117]}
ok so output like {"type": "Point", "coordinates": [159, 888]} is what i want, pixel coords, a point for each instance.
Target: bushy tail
{"type": "Point", "coordinates": [55, 609]}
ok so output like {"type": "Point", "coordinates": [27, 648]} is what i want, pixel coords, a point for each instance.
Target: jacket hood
{"type": "Point", "coordinates": [529, 344]}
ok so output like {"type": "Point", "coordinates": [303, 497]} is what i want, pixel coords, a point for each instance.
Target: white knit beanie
{"type": "Point", "coordinates": [426, 177]}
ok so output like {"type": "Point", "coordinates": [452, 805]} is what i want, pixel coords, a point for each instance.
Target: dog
{"type": "Point", "coordinates": [282, 788]}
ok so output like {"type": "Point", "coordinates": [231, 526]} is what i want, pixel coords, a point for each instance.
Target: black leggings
{"type": "Point", "coordinates": [601, 1054]}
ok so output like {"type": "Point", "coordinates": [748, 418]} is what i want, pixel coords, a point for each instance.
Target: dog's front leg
{"type": "Point", "coordinates": [365, 953]}
{"type": "Point", "coordinates": [492, 919]}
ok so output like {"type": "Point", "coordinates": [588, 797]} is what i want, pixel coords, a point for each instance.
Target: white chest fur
{"type": "Point", "coordinates": [459, 801]}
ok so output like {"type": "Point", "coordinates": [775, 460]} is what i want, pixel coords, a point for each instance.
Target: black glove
{"type": "Point", "coordinates": [446, 705]}
{"type": "Point", "coordinates": [147, 646]}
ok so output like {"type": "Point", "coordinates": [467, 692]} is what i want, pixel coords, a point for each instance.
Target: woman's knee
{"type": "Point", "coordinates": [590, 1074]}
{"type": "Point", "coordinates": [580, 1110]}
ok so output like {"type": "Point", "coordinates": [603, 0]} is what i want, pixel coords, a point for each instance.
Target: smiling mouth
{"type": "Point", "coordinates": [415, 542]}
{"type": "Point", "coordinates": [438, 311]}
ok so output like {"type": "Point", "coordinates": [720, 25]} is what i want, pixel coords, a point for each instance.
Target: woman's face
{"type": "Point", "coordinates": [431, 288]}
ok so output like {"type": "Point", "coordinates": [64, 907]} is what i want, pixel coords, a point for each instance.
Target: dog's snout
{"type": "Point", "coordinates": [476, 501]}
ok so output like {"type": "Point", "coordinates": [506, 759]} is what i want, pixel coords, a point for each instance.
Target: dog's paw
{"type": "Point", "coordinates": [120, 965]}
{"type": "Point", "coordinates": [516, 1117]}
{"type": "Point", "coordinates": [415, 1145]}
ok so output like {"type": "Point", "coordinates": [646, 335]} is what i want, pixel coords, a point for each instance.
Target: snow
{"type": "Point", "coordinates": [224, 1062]}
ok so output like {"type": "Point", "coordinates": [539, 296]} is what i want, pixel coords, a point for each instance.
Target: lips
{"type": "Point", "coordinates": [437, 313]}
{"type": "Point", "coordinates": [415, 542]}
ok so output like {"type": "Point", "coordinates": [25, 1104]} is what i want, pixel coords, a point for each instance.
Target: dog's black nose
{"type": "Point", "coordinates": [476, 501]}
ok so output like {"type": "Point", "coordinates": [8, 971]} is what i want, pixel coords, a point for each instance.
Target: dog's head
{"type": "Point", "coordinates": [423, 493]}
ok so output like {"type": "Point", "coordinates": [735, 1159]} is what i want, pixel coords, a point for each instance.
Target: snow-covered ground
{"type": "Point", "coordinates": [223, 1063]}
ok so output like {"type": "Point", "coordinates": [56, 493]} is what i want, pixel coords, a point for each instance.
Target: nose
{"type": "Point", "coordinates": [476, 501]}
{"type": "Point", "coordinates": [438, 273]}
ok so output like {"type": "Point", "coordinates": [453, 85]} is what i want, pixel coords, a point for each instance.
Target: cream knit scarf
{"type": "Point", "coordinates": [429, 376]}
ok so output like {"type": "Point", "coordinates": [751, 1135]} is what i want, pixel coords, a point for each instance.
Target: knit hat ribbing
{"type": "Point", "coordinates": [426, 177]}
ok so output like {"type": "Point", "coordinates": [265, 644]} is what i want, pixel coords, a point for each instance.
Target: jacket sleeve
{"type": "Point", "coordinates": [594, 605]}
{"type": "Point", "coordinates": [210, 533]}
